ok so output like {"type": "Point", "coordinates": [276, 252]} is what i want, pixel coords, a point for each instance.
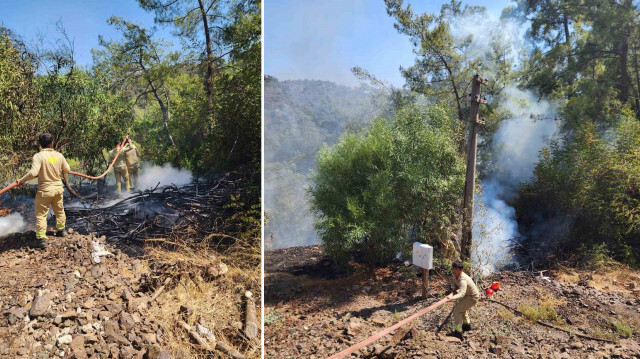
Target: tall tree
{"type": "Point", "coordinates": [138, 63]}
{"type": "Point", "coordinates": [442, 68]}
{"type": "Point", "coordinates": [194, 21]}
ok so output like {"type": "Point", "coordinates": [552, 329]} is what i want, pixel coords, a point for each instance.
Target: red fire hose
{"type": "Point", "coordinates": [14, 184]}
{"type": "Point", "coordinates": [108, 168]}
{"type": "Point", "coordinates": [381, 334]}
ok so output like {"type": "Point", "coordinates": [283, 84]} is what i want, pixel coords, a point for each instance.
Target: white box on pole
{"type": "Point", "coordinates": [422, 255]}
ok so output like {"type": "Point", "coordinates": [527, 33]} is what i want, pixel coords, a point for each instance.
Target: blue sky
{"type": "Point", "coordinates": [83, 20]}
{"type": "Point", "coordinates": [324, 39]}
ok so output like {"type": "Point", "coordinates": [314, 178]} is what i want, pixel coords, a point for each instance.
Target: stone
{"type": "Point", "coordinates": [217, 270]}
{"type": "Point", "coordinates": [165, 354]}
{"type": "Point", "coordinates": [40, 306]}
{"type": "Point", "coordinates": [77, 347]}
{"type": "Point", "coordinates": [112, 334]}
{"type": "Point", "coordinates": [153, 351]}
{"type": "Point", "coordinates": [576, 345]}
{"type": "Point", "coordinates": [126, 321]}
{"type": "Point", "coordinates": [65, 339]}
{"type": "Point", "coordinates": [496, 349]}
{"type": "Point", "coordinates": [149, 338]}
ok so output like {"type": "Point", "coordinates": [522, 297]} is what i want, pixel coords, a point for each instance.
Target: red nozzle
{"type": "Point", "coordinates": [495, 286]}
{"type": "Point", "coordinates": [489, 292]}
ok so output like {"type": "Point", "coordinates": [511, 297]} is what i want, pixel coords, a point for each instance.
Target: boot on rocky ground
{"type": "Point", "coordinates": [62, 233]}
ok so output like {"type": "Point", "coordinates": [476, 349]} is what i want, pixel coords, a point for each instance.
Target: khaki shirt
{"type": "Point", "coordinates": [131, 154]}
{"type": "Point", "coordinates": [465, 286]}
{"type": "Point", "coordinates": [121, 161]}
{"type": "Point", "coordinates": [49, 166]}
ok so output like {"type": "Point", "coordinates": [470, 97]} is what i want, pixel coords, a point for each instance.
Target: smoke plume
{"type": "Point", "coordinates": [166, 175]}
{"type": "Point", "coordinates": [11, 224]}
{"type": "Point", "coordinates": [514, 152]}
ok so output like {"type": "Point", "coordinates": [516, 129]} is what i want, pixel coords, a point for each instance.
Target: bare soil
{"type": "Point", "coordinates": [310, 315]}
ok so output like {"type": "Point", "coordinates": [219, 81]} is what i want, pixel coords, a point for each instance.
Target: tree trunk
{"type": "Point", "coordinates": [635, 63]}
{"type": "Point", "coordinates": [625, 80]}
{"type": "Point", "coordinates": [567, 41]}
{"type": "Point", "coordinates": [210, 70]}
{"type": "Point", "coordinates": [165, 111]}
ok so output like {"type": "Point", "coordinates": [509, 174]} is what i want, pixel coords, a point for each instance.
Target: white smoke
{"type": "Point", "coordinates": [166, 175]}
{"type": "Point", "coordinates": [514, 150]}
{"type": "Point", "coordinates": [11, 224]}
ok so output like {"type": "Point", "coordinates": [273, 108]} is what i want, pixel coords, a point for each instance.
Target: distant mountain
{"type": "Point", "coordinates": [301, 115]}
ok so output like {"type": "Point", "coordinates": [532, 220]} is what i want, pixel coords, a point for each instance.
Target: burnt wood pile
{"type": "Point", "coordinates": [164, 211]}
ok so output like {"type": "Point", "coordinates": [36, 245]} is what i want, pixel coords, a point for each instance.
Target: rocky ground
{"type": "Point", "coordinates": [59, 303]}
{"type": "Point", "coordinates": [312, 313]}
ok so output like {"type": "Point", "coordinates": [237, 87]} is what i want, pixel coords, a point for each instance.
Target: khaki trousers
{"type": "Point", "coordinates": [43, 201]}
{"type": "Point", "coordinates": [121, 173]}
{"type": "Point", "coordinates": [461, 311]}
{"type": "Point", "coordinates": [133, 175]}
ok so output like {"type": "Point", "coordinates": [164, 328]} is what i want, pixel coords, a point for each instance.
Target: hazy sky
{"type": "Point", "coordinates": [324, 39]}
{"type": "Point", "coordinates": [83, 20]}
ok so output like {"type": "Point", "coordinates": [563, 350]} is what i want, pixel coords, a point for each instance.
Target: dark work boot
{"type": "Point", "coordinates": [41, 243]}
{"type": "Point", "coordinates": [466, 327]}
{"type": "Point", "coordinates": [61, 233]}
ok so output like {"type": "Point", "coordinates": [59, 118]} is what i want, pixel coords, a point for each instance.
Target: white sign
{"type": "Point", "coordinates": [422, 255]}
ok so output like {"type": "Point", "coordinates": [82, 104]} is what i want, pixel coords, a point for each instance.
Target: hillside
{"type": "Point", "coordinates": [300, 116]}
{"type": "Point", "coordinates": [310, 312]}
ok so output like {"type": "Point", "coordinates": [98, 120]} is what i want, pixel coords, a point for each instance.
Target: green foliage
{"type": "Point", "coordinates": [18, 114]}
{"type": "Point", "coordinates": [593, 179]}
{"type": "Point", "coordinates": [375, 187]}
{"type": "Point", "coordinates": [621, 328]}
{"type": "Point", "coordinates": [544, 308]}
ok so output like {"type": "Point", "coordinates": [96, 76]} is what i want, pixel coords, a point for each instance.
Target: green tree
{"type": "Point", "coordinates": [18, 110]}
{"type": "Point", "coordinates": [138, 64]}
{"type": "Point", "coordinates": [373, 188]}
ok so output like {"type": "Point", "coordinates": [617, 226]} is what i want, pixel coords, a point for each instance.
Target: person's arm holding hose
{"type": "Point", "coordinates": [33, 172]}
{"type": "Point", "coordinates": [460, 293]}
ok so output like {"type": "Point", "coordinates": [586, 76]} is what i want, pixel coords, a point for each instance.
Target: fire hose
{"type": "Point", "coordinates": [381, 334]}
{"type": "Point", "coordinates": [15, 184]}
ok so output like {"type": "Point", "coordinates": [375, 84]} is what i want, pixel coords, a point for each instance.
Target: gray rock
{"type": "Point", "coordinates": [65, 339]}
{"type": "Point", "coordinates": [41, 305]}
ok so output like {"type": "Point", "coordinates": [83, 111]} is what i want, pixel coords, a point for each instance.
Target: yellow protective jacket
{"type": "Point", "coordinates": [49, 166]}
{"type": "Point", "coordinates": [131, 154]}
{"type": "Point", "coordinates": [121, 162]}
{"type": "Point", "coordinates": [465, 286]}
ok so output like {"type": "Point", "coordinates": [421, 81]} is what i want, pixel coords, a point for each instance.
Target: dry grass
{"type": "Point", "coordinates": [610, 278]}
{"type": "Point", "coordinates": [541, 308]}
{"type": "Point", "coordinates": [216, 303]}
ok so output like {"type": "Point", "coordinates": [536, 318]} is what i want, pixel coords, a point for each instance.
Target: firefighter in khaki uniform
{"type": "Point", "coordinates": [467, 295]}
{"type": "Point", "coordinates": [120, 167]}
{"type": "Point", "coordinates": [131, 157]}
{"type": "Point", "coordinates": [50, 167]}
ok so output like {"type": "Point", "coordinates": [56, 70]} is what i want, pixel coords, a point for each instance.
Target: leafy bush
{"type": "Point", "coordinates": [594, 180]}
{"type": "Point", "coordinates": [376, 188]}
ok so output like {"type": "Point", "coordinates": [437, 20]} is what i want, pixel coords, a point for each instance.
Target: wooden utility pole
{"type": "Point", "coordinates": [470, 181]}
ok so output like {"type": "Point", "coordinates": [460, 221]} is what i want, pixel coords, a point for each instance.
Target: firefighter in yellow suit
{"type": "Point", "coordinates": [50, 167]}
{"type": "Point", "coordinates": [120, 167]}
{"type": "Point", "coordinates": [131, 157]}
{"type": "Point", "coordinates": [467, 295]}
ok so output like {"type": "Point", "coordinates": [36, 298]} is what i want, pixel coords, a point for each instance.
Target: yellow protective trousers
{"type": "Point", "coordinates": [121, 174]}
{"type": "Point", "coordinates": [44, 200]}
{"type": "Point", "coordinates": [133, 175]}
{"type": "Point", "coordinates": [461, 311]}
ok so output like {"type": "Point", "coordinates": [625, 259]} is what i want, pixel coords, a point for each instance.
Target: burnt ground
{"type": "Point", "coordinates": [159, 291]}
{"type": "Point", "coordinates": [311, 315]}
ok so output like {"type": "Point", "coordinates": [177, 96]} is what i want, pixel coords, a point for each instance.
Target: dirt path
{"type": "Point", "coordinates": [308, 316]}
